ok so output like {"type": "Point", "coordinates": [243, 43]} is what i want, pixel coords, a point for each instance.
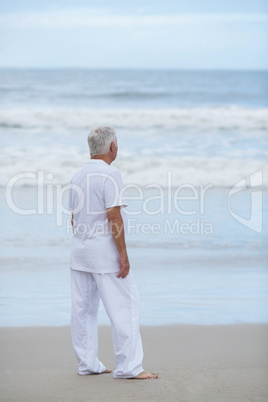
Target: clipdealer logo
{"type": "Point", "coordinates": [255, 185]}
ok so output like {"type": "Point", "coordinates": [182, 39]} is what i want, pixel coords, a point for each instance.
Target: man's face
{"type": "Point", "coordinates": [114, 150]}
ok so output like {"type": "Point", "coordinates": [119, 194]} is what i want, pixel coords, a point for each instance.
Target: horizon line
{"type": "Point", "coordinates": [209, 69]}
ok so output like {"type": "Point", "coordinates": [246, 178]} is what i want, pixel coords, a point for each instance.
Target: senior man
{"type": "Point", "coordinates": [100, 266]}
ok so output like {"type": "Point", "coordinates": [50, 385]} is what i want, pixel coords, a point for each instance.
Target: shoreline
{"type": "Point", "coordinates": [194, 363]}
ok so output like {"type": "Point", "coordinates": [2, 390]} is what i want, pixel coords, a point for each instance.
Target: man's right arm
{"type": "Point", "coordinates": [117, 229]}
{"type": "Point", "coordinates": [72, 221]}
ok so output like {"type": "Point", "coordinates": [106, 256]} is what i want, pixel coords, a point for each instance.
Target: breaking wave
{"type": "Point", "coordinates": [71, 119]}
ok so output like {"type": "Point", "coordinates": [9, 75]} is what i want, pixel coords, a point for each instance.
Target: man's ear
{"type": "Point", "coordinates": [112, 147]}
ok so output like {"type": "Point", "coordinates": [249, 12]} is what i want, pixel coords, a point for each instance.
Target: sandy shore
{"type": "Point", "coordinates": [194, 363]}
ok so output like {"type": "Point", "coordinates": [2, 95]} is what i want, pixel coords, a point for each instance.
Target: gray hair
{"type": "Point", "coordinates": [100, 139]}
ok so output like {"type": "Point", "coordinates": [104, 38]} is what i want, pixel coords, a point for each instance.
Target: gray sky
{"type": "Point", "coordinates": [141, 34]}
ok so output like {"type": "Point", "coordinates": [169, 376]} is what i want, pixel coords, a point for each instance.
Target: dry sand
{"type": "Point", "coordinates": [194, 363]}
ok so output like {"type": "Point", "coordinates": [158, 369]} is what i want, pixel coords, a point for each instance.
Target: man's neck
{"type": "Point", "coordinates": [104, 158]}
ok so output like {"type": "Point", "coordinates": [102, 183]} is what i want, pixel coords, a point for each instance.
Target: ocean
{"type": "Point", "coordinates": [193, 155]}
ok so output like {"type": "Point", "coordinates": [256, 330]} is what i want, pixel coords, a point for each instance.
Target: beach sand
{"type": "Point", "coordinates": [194, 363]}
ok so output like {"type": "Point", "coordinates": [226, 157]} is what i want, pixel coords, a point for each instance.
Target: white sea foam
{"type": "Point", "coordinates": [70, 119]}
{"type": "Point", "coordinates": [217, 146]}
{"type": "Point", "coordinates": [218, 171]}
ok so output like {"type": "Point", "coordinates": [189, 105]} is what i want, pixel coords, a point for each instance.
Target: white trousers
{"type": "Point", "coordinates": [121, 301]}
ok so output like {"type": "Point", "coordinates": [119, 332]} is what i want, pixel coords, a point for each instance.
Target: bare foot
{"type": "Point", "coordinates": [103, 372]}
{"type": "Point", "coordinates": [144, 375]}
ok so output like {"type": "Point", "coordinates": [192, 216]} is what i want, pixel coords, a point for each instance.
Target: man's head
{"type": "Point", "coordinates": [102, 143]}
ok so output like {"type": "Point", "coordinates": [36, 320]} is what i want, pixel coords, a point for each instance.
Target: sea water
{"type": "Point", "coordinates": [197, 260]}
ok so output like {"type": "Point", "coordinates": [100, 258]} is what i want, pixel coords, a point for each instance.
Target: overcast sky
{"type": "Point", "coordinates": [194, 34]}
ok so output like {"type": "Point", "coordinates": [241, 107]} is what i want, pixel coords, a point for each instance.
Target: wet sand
{"type": "Point", "coordinates": [194, 363]}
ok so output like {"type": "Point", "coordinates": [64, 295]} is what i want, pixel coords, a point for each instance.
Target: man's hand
{"type": "Point", "coordinates": [124, 266]}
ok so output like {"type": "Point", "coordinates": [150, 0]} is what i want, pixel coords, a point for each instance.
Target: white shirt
{"type": "Point", "coordinates": [94, 188]}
